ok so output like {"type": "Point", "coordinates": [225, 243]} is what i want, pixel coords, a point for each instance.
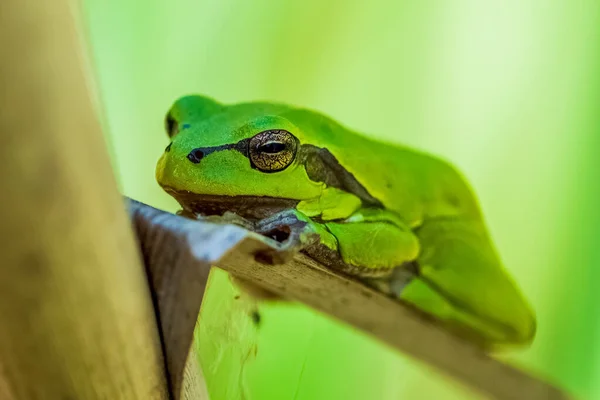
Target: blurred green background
{"type": "Point", "coordinates": [508, 90]}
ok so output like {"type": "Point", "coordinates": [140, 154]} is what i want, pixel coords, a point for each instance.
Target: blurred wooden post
{"type": "Point", "coordinates": [76, 319]}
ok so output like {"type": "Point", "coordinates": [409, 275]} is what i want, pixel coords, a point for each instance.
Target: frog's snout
{"type": "Point", "coordinates": [196, 155]}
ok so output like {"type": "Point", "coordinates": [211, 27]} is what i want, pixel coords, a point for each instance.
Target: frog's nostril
{"type": "Point", "coordinates": [195, 156]}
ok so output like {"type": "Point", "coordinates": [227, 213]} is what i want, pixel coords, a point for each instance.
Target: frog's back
{"type": "Point", "coordinates": [416, 185]}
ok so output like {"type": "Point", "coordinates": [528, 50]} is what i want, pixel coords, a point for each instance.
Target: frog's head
{"type": "Point", "coordinates": [247, 158]}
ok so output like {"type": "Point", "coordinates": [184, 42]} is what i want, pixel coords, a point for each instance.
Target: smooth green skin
{"type": "Point", "coordinates": [430, 214]}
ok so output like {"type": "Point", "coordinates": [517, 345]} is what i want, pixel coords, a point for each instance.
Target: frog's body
{"type": "Point", "coordinates": [377, 207]}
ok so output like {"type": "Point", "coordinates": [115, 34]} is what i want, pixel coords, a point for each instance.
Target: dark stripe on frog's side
{"type": "Point", "coordinates": [320, 165]}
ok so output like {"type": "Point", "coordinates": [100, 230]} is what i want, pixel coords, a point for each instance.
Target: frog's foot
{"type": "Point", "coordinates": [292, 231]}
{"type": "Point", "coordinates": [290, 228]}
{"type": "Point", "coordinates": [368, 245]}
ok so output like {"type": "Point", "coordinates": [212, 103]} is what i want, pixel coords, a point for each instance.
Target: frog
{"type": "Point", "coordinates": [397, 218]}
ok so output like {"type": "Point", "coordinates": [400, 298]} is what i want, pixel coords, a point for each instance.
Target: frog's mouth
{"type": "Point", "coordinates": [250, 207]}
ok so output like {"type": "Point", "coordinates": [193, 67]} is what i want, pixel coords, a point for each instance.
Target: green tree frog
{"type": "Point", "coordinates": [381, 211]}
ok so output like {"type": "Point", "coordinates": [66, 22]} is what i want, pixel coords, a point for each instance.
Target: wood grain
{"type": "Point", "coordinates": [76, 319]}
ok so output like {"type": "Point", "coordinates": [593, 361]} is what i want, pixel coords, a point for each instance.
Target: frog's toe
{"type": "Point", "coordinates": [289, 229]}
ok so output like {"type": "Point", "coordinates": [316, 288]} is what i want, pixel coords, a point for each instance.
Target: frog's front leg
{"type": "Point", "coordinates": [373, 242]}
{"type": "Point", "coordinates": [368, 244]}
{"type": "Point", "coordinates": [295, 231]}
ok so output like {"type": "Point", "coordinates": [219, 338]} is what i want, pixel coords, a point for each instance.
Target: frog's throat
{"type": "Point", "coordinates": [250, 207]}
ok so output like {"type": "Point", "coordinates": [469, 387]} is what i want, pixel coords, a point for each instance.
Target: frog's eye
{"type": "Point", "coordinates": [272, 150]}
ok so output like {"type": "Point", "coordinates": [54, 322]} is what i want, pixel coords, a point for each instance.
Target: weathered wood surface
{"type": "Point", "coordinates": [178, 254]}
{"type": "Point", "coordinates": [302, 279]}
{"type": "Point", "coordinates": [76, 318]}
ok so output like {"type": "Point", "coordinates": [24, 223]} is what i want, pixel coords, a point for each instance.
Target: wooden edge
{"type": "Point", "coordinates": [193, 385]}
{"type": "Point", "coordinates": [177, 282]}
{"type": "Point", "coordinates": [178, 253]}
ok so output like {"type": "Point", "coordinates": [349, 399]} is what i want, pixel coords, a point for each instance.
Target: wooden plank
{"type": "Point", "coordinates": [391, 322]}
{"type": "Point", "coordinates": [76, 318]}
{"type": "Point", "coordinates": [300, 278]}
{"type": "Point", "coordinates": [178, 254]}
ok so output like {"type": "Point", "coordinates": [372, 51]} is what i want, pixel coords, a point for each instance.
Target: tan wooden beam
{"type": "Point", "coordinates": [76, 319]}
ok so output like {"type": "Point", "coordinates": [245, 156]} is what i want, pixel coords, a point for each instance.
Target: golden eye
{"type": "Point", "coordinates": [273, 150]}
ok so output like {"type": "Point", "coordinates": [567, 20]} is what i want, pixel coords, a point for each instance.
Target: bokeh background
{"type": "Point", "coordinates": [509, 90]}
